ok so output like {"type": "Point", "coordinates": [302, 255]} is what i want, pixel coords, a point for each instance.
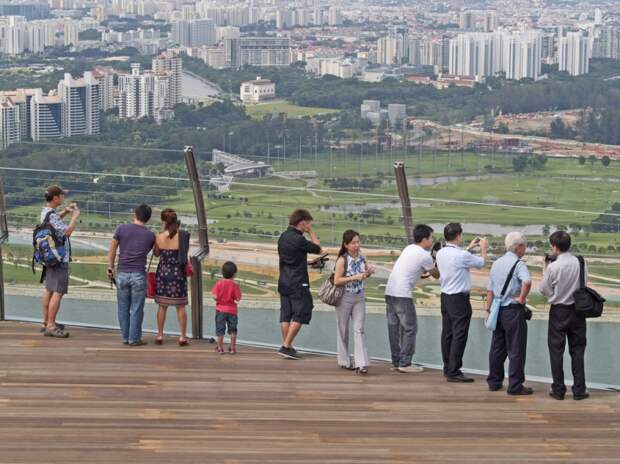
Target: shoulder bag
{"type": "Point", "coordinates": [491, 322]}
{"type": "Point", "coordinates": [588, 302]}
{"type": "Point", "coordinates": [330, 293]}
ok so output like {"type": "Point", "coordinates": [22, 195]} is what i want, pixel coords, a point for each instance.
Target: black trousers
{"type": "Point", "coordinates": [455, 317]}
{"type": "Point", "coordinates": [565, 324]}
{"type": "Point", "coordinates": [509, 340]}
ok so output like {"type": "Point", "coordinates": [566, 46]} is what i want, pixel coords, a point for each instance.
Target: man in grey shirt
{"type": "Point", "coordinates": [559, 283]}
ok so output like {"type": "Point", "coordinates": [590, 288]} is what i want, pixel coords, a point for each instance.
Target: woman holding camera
{"type": "Point", "coordinates": [351, 272]}
{"type": "Point", "coordinates": [171, 246]}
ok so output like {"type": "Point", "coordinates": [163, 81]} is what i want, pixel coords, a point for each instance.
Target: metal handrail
{"type": "Point", "coordinates": [405, 200]}
{"type": "Point", "coordinates": [203, 238]}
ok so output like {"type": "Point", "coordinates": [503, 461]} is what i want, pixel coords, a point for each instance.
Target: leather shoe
{"type": "Point", "coordinates": [522, 391]}
{"type": "Point", "coordinates": [581, 396]}
{"type": "Point", "coordinates": [495, 388]}
{"type": "Point", "coordinates": [557, 396]}
{"type": "Point", "coordinates": [459, 379]}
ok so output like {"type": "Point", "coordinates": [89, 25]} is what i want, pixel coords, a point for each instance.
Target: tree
{"type": "Point", "coordinates": [582, 160]}
{"type": "Point", "coordinates": [605, 160]}
{"type": "Point", "coordinates": [592, 159]}
{"type": "Point", "coordinates": [557, 128]}
{"type": "Point", "coordinates": [520, 163]}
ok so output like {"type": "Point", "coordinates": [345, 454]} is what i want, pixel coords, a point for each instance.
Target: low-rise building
{"type": "Point", "coordinates": [257, 90]}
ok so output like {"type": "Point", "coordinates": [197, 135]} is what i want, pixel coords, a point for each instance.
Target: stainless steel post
{"type": "Point", "coordinates": [403, 192]}
{"type": "Point", "coordinates": [203, 238]}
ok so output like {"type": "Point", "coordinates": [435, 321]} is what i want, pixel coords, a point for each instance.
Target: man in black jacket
{"type": "Point", "coordinates": [294, 284]}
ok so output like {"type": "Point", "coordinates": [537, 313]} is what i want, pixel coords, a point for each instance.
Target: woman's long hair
{"type": "Point", "coordinates": [347, 238]}
{"type": "Point", "coordinates": [171, 222]}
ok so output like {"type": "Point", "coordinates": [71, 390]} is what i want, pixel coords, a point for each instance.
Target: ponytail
{"type": "Point", "coordinates": [171, 222]}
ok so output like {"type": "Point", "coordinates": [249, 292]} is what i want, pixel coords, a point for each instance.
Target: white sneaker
{"type": "Point", "coordinates": [411, 369]}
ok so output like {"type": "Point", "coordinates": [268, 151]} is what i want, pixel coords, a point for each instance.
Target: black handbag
{"type": "Point", "coordinates": [588, 302]}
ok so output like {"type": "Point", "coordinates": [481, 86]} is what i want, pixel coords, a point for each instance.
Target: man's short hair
{"type": "Point", "coordinates": [53, 191]}
{"type": "Point", "coordinates": [229, 269]}
{"type": "Point", "coordinates": [452, 230]}
{"type": "Point", "coordinates": [143, 213]}
{"type": "Point", "coordinates": [561, 240]}
{"type": "Point", "coordinates": [513, 240]}
{"type": "Point", "coordinates": [298, 216]}
{"type": "Point", "coordinates": [421, 231]}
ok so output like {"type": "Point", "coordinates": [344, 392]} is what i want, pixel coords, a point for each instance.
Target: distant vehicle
{"type": "Point", "coordinates": [221, 240]}
{"type": "Point", "coordinates": [262, 283]}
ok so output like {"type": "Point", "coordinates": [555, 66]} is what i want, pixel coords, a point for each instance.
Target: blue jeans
{"type": "Point", "coordinates": [130, 295]}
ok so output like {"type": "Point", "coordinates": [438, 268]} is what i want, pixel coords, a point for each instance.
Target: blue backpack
{"type": "Point", "coordinates": [49, 250]}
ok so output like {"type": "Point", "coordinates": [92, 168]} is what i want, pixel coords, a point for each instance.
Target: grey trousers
{"type": "Point", "coordinates": [351, 307]}
{"type": "Point", "coordinates": [402, 323]}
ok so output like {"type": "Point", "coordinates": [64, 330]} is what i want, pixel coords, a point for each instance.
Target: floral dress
{"type": "Point", "coordinates": [170, 280]}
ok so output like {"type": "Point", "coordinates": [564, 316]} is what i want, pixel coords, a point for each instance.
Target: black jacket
{"type": "Point", "coordinates": [293, 249]}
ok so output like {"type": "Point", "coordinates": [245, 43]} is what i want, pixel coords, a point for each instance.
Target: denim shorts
{"type": "Point", "coordinates": [222, 320]}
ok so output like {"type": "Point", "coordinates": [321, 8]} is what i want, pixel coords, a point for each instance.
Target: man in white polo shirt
{"type": "Point", "coordinates": [401, 314]}
{"type": "Point", "coordinates": [454, 264]}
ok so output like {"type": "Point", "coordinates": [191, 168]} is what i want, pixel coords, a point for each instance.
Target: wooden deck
{"type": "Point", "coordinates": [90, 399]}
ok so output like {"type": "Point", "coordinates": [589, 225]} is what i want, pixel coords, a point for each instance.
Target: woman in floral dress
{"type": "Point", "coordinates": [171, 281]}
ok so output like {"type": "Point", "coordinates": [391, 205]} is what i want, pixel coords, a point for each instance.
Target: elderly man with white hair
{"type": "Point", "coordinates": [510, 280]}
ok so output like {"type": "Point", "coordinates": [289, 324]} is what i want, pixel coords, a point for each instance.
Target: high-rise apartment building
{"type": "Point", "coordinates": [574, 54]}
{"type": "Point", "coordinates": [467, 21]}
{"type": "Point", "coordinates": [143, 94]}
{"type": "Point", "coordinates": [171, 65]}
{"type": "Point", "coordinates": [483, 54]}
{"type": "Point", "coordinates": [10, 132]}
{"type": "Point", "coordinates": [388, 50]}
{"type": "Point", "coordinates": [258, 51]}
{"type": "Point", "coordinates": [81, 100]}
{"type": "Point", "coordinates": [334, 16]}
{"type": "Point", "coordinates": [46, 113]}
{"type": "Point", "coordinates": [194, 33]}
{"type": "Point", "coordinates": [71, 33]}
{"type": "Point", "coordinates": [105, 78]}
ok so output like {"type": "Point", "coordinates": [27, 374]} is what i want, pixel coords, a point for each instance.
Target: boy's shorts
{"type": "Point", "coordinates": [223, 319]}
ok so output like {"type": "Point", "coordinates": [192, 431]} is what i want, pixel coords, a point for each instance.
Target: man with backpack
{"type": "Point", "coordinates": [55, 253]}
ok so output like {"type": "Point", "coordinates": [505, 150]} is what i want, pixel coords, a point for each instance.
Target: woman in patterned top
{"type": "Point", "coordinates": [170, 279]}
{"type": "Point", "coordinates": [351, 271]}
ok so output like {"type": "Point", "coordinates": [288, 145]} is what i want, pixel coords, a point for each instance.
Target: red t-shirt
{"type": "Point", "coordinates": [226, 293]}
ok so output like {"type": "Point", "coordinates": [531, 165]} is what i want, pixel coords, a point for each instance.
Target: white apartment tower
{"type": "Point", "coordinates": [46, 113]}
{"type": "Point", "coordinates": [81, 100]}
{"type": "Point", "coordinates": [71, 33]}
{"type": "Point", "coordinates": [168, 64]}
{"type": "Point", "coordinates": [574, 54]}
{"type": "Point", "coordinates": [10, 131]}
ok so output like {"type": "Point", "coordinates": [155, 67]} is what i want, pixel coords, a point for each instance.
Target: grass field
{"type": "Point", "coordinates": [260, 110]}
{"type": "Point", "coordinates": [258, 209]}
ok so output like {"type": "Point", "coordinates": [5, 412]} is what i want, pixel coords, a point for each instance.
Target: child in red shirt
{"type": "Point", "coordinates": [226, 293]}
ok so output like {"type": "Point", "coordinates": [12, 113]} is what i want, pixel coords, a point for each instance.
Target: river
{"type": "Point", "coordinates": [195, 88]}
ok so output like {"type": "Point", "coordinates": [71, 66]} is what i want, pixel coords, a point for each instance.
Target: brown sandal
{"type": "Point", "coordinates": [184, 342]}
{"type": "Point", "coordinates": [159, 341]}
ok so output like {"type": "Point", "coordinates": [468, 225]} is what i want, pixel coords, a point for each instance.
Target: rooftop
{"type": "Point", "coordinates": [91, 399]}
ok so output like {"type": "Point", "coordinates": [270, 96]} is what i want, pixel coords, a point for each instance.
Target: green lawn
{"type": "Point", "coordinates": [260, 110]}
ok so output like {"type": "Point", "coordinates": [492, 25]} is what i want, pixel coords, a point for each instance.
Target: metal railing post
{"type": "Point", "coordinates": [405, 201]}
{"type": "Point", "coordinates": [4, 235]}
{"type": "Point", "coordinates": [203, 238]}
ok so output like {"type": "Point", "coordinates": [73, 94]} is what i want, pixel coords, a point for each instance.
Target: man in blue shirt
{"type": "Point", "coordinates": [454, 264]}
{"type": "Point", "coordinates": [510, 335]}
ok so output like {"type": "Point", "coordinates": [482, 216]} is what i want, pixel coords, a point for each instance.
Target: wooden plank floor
{"type": "Point", "coordinates": [90, 399]}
